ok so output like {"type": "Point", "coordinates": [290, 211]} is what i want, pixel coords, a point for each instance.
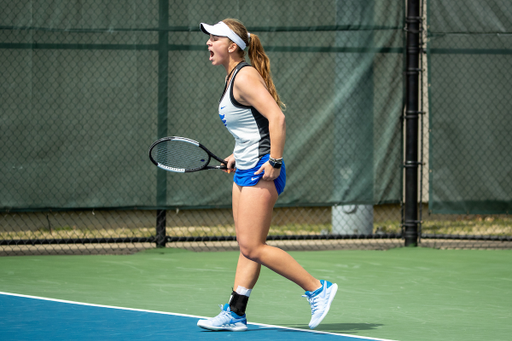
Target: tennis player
{"type": "Point", "coordinates": [250, 108]}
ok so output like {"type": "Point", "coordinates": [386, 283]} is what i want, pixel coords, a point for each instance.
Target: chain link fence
{"type": "Point", "coordinates": [88, 86]}
{"type": "Point", "coordinates": [468, 180]}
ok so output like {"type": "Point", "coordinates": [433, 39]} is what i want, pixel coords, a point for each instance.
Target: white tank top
{"type": "Point", "coordinates": [247, 125]}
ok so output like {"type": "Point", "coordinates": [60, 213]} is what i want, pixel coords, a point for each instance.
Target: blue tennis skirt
{"type": "Point", "coordinates": [246, 177]}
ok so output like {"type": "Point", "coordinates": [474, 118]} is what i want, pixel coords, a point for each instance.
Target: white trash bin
{"type": "Point", "coordinates": [352, 219]}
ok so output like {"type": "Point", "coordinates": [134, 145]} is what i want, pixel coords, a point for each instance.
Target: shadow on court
{"type": "Point", "coordinates": [342, 327]}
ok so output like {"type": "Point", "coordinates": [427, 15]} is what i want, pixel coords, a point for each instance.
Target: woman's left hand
{"type": "Point", "coordinates": [270, 174]}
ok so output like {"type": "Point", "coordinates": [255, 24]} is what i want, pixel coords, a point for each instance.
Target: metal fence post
{"type": "Point", "coordinates": [160, 228]}
{"type": "Point", "coordinates": [163, 99]}
{"type": "Point", "coordinates": [413, 31]}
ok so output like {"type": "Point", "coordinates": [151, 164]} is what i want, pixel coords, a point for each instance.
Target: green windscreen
{"type": "Point", "coordinates": [470, 63]}
{"type": "Point", "coordinates": [87, 86]}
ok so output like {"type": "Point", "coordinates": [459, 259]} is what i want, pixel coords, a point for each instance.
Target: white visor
{"type": "Point", "coordinates": [222, 30]}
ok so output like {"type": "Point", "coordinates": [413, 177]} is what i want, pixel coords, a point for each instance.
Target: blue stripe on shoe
{"type": "Point", "coordinates": [233, 314]}
{"type": "Point", "coordinates": [319, 290]}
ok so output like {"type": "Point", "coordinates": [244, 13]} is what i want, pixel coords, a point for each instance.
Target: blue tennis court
{"type": "Point", "coordinates": [35, 318]}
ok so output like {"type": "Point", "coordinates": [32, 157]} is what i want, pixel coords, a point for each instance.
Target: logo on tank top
{"type": "Point", "coordinates": [223, 118]}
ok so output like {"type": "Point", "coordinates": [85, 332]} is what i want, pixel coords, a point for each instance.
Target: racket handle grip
{"type": "Point", "coordinates": [225, 166]}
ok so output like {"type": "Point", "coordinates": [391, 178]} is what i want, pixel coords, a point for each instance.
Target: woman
{"type": "Point", "coordinates": [250, 108]}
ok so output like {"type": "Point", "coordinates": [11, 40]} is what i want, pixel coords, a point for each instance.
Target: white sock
{"type": "Point", "coordinates": [243, 291]}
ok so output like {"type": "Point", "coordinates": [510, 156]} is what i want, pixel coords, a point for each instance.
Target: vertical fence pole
{"type": "Point", "coordinates": [163, 79]}
{"type": "Point", "coordinates": [160, 228]}
{"type": "Point", "coordinates": [413, 21]}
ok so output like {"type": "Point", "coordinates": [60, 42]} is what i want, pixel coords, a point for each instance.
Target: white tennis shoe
{"type": "Point", "coordinates": [226, 320]}
{"type": "Point", "coordinates": [320, 301]}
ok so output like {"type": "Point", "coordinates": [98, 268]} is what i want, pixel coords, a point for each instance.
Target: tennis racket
{"type": "Point", "coordinates": [182, 155]}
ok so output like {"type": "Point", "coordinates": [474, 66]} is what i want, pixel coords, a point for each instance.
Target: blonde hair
{"type": "Point", "coordinates": [257, 55]}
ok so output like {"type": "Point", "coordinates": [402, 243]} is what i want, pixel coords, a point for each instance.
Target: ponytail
{"type": "Point", "coordinates": [257, 56]}
{"type": "Point", "coordinates": [260, 61]}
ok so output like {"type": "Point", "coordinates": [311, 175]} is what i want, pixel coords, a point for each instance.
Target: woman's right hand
{"type": "Point", "coordinates": [230, 164]}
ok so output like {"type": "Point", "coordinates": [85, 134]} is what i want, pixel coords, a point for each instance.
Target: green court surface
{"type": "Point", "coordinates": [401, 294]}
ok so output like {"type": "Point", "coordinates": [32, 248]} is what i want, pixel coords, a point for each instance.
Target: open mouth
{"type": "Point", "coordinates": [211, 54]}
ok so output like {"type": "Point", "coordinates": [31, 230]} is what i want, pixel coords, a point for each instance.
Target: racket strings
{"type": "Point", "coordinates": [180, 155]}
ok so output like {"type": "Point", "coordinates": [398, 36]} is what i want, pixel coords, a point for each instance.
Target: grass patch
{"type": "Point", "coordinates": [479, 225]}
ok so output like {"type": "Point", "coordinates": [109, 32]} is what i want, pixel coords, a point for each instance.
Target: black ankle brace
{"type": "Point", "coordinates": [238, 303]}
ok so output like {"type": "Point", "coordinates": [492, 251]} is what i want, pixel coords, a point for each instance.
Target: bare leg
{"type": "Point", "coordinates": [252, 210]}
{"type": "Point", "coordinates": [247, 271]}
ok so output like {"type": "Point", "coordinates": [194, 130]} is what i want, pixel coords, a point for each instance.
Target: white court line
{"type": "Point", "coordinates": [184, 315]}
